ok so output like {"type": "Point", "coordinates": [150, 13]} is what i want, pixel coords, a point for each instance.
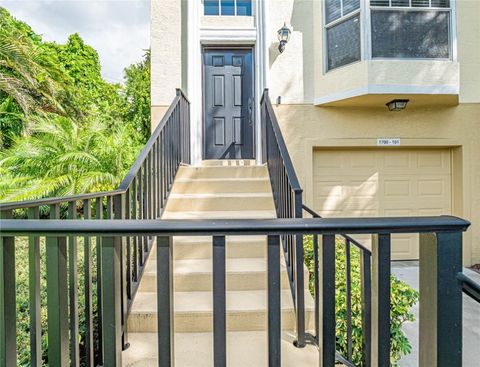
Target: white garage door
{"type": "Point", "coordinates": [383, 182]}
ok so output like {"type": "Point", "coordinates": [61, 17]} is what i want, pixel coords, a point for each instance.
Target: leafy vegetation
{"type": "Point", "coordinates": [403, 297]}
{"type": "Point", "coordinates": [63, 129]}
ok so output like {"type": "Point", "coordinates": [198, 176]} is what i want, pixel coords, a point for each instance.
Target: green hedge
{"type": "Point", "coordinates": [403, 297]}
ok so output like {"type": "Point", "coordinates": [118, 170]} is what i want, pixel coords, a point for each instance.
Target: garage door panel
{"type": "Point", "coordinates": [383, 182]}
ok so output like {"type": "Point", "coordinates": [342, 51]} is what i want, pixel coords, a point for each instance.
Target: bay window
{"type": "Point", "coordinates": [399, 29]}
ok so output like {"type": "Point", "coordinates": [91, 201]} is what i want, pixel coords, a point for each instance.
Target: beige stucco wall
{"type": "Point", "coordinates": [168, 39]}
{"type": "Point", "coordinates": [307, 127]}
{"type": "Point", "coordinates": [291, 73]}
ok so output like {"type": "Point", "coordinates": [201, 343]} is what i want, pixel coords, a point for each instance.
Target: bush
{"type": "Point", "coordinates": [403, 297]}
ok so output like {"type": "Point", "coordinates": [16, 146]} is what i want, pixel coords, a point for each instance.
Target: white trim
{"type": "Point", "coordinates": [228, 35]}
{"type": "Point", "coordinates": [387, 89]}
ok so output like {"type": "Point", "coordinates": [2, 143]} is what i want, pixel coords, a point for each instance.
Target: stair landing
{"type": "Point", "coordinates": [226, 189]}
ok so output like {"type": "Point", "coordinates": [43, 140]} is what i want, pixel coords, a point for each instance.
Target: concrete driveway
{"type": "Point", "coordinates": [408, 271]}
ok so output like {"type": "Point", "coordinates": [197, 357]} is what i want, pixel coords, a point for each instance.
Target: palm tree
{"type": "Point", "coordinates": [61, 157]}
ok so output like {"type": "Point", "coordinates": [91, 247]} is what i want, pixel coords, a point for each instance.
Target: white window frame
{"type": "Point", "coordinates": [234, 7]}
{"type": "Point", "coordinates": [333, 23]}
{"type": "Point", "coordinates": [366, 32]}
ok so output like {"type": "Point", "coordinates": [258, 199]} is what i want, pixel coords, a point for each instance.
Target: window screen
{"type": "Point", "coordinates": [343, 43]}
{"type": "Point", "coordinates": [410, 34]}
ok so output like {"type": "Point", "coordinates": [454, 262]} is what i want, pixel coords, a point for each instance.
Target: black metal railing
{"type": "Point", "coordinates": [287, 195]}
{"type": "Point", "coordinates": [142, 195]}
{"type": "Point", "coordinates": [469, 287]}
{"type": "Point", "coordinates": [441, 302]}
{"type": "Point", "coordinates": [365, 259]}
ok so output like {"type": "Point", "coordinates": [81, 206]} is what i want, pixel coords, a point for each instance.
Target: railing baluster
{"type": "Point", "coordinates": [317, 287]}
{"type": "Point", "coordinates": [273, 299]}
{"type": "Point", "coordinates": [57, 296]}
{"type": "Point", "coordinates": [34, 294]}
{"type": "Point", "coordinates": [87, 251]}
{"type": "Point", "coordinates": [73, 290]}
{"type": "Point", "coordinates": [119, 210]}
{"type": "Point", "coordinates": [327, 304]}
{"type": "Point", "coordinates": [380, 300]}
{"type": "Point", "coordinates": [98, 249]}
{"type": "Point", "coordinates": [128, 248]}
{"type": "Point", "coordinates": [219, 303]}
{"type": "Point", "coordinates": [141, 182]}
{"type": "Point", "coordinates": [366, 285]}
{"type": "Point", "coordinates": [348, 280]}
{"type": "Point", "coordinates": [8, 332]}
{"type": "Point", "coordinates": [165, 304]}
{"type": "Point", "coordinates": [135, 238]}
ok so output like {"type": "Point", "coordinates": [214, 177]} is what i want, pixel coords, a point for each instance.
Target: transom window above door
{"type": "Point", "coordinates": [227, 7]}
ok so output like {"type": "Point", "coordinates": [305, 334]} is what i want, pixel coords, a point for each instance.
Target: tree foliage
{"type": "Point", "coordinates": [403, 298]}
{"type": "Point", "coordinates": [63, 128]}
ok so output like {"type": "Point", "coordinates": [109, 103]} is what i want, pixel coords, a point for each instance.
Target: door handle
{"type": "Point", "coordinates": [250, 110]}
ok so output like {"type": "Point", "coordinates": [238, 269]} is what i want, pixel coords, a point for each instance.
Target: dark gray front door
{"type": "Point", "coordinates": [228, 104]}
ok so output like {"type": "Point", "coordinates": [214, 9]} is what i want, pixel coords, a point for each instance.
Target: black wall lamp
{"type": "Point", "coordinates": [397, 104]}
{"type": "Point", "coordinates": [283, 37]}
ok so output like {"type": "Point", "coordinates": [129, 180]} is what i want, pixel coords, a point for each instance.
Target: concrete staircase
{"type": "Point", "coordinates": [227, 190]}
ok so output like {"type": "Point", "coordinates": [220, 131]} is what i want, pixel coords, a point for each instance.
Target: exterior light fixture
{"type": "Point", "coordinates": [397, 104]}
{"type": "Point", "coordinates": [283, 37]}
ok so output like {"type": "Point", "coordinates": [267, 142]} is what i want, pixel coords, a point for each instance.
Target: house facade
{"type": "Point", "coordinates": [343, 62]}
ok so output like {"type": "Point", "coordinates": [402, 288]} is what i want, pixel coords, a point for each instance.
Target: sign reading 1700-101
{"type": "Point", "coordinates": [388, 142]}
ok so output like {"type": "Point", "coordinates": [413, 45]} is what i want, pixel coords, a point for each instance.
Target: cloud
{"type": "Point", "coordinates": [118, 29]}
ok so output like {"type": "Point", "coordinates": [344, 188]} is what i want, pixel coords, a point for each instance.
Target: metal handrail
{"type": "Point", "coordinates": [124, 185]}
{"type": "Point", "coordinates": [347, 237]}
{"type": "Point", "coordinates": [469, 286]}
{"type": "Point", "coordinates": [287, 161]}
{"type": "Point", "coordinates": [381, 225]}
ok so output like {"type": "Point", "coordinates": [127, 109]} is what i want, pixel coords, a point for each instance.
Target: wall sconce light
{"type": "Point", "coordinates": [283, 37]}
{"type": "Point", "coordinates": [397, 104]}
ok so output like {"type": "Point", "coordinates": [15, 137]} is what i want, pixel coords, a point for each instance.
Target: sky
{"type": "Point", "coordinates": [118, 29]}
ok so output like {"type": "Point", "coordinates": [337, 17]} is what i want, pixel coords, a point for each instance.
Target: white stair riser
{"type": "Point", "coordinates": [222, 172]}
{"type": "Point", "coordinates": [227, 203]}
{"type": "Point", "coordinates": [203, 282]}
{"type": "Point", "coordinates": [203, 322]}
{"type": "Point", "coordinates": [214, 186]}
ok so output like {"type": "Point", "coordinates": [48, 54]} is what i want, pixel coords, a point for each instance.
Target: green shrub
{"type": "Point", "coordinates": [403, 297]}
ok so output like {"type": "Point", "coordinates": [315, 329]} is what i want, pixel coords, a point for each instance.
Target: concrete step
{"type": "Point", "coordinates": [246, 311]}
{"type": "Point", "coordinates": [228, 162]}
{"type": "Point", "coordinates": [196, 275]}
{"type": "Point", "coordinates": [222, 172]}
{"type": "Point", "coordinates": [224, 214]}
{"type": "Point", "coordinates": [220, 202]}
{"type": "Point", "coordinates": [200, 247]}
{"type": "Point", "coordinates": [226, 185]}
{"type": "Point", "coordinates": [244, 349]}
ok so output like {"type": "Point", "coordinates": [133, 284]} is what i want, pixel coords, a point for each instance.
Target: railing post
{"type": "Point", "coordinates": [219, 303]}
{"type": "Point", "coordinates": [326, 341]}
{"type": "Point", "coordinates": [57, 296]}
{"type": "Point", "coordinates": [299, 276]}
{"type": "Point", "coordinates": [119, 204]}
{"type": "Point", "coordinates": [34, 294]}
{"type": "Point", "coordinates": [440, 299]}
{"type": "Point", "coordinates": [8, 337]}
{"type": "Point", "coordinates": [274, 301]}
{"type": "Point", "coordinates": [380, 300]}
{"type": "Point", "coordinates": [165, 311]}
{"type": "Point", "coordinates": [73, 289]}
{"type": "Point", "coordinates": [112, 302]}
